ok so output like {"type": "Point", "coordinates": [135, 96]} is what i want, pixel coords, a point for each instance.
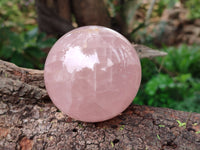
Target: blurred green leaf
{"type": "Point", "coordinates": [24, 49]}
{"type": "Point", "coordinates": [31, 34]}
{"type": "Point", "coordinates": [193, 6]}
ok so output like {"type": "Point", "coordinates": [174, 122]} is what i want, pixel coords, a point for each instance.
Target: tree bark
{"type": "Point", "coordinates": [17, 82]}
{"type": "Point", "coordinates": [34, 124]}
{"type": "Point", "coordinates": [54, 17]}
{"type": "Point", "coordinates": [91, 12]}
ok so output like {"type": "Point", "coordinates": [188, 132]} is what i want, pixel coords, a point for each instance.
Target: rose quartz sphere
{"type": "Point", "coordinates": [92, 73]}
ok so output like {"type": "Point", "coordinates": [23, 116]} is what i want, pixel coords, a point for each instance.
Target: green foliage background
{"type": "Point", "coordinates": [20, 41]}
{"type": "Point", "coordinates": [172, 81]}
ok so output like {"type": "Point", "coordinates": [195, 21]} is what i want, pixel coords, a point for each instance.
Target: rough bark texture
{"type": "Point", "coordinates": [54, 17]}
{"type": "Point", "coordinates": [91, 12]}
{"type": "Point", "coordinates": [21, 82]}
{"type": "Point", "coordinates": [34, 124]}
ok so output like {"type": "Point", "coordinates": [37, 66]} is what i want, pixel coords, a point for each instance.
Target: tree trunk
{"type": "Point", "coordinates": [91, 12]}
{"type": "Point", "coordinates": [29, 120]}
{"type": "Point", "coordinates": [54, 17]}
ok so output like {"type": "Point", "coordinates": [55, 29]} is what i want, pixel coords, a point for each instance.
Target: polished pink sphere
{"type": "Point", "coordinates": [92, 73]}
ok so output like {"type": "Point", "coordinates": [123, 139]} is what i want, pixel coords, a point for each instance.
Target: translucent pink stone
{"type": "Point", "coordinates": [92, 73]}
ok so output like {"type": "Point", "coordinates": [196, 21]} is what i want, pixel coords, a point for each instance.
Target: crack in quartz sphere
{"type": "Point", "coordinates": [92, 73]}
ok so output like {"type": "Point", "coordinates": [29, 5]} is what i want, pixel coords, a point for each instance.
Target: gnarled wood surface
{"type": "Point", "coordinates": [28, 120]}
{"type": "Point", "coordinates": [34, 124]}
{"type": "Point", "coordinates": [21, 82]}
